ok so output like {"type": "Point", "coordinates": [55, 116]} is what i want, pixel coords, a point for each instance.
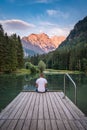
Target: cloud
{"type": "Point", "coordinates": [51, 12]}
{"type": "Point", "coordinates": [30, 2]}
{"type": "Point", "coordinates": [57, 13]}
{"type": "Point", "coordinates": [44, 1]}
{"type": "Point", "coordinates": [55, 31]}
{"type": "Point", "coordinates": [16, 24]}
{"type": "Point", "coordinates": [46, 23]}
{"type": "Point", "coordinates": [52, 29]}
{"type": "Point", "coordinates": [58, 31]}
{"type": "Point", "coordinates": [23, 28]}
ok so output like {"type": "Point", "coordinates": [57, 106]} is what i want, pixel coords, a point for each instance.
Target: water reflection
{"type": "Point", "coordinates": [81, 82]}
{"type": "Point", "coordinates": [55, 82]}
{"type": "Point", "coordinates": [12, 85]}
{"type": "Point", "coordinates": [30, 82]}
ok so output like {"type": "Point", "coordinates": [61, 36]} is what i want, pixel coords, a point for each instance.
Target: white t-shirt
{"type": "Point", "coordinates": [41, 84]}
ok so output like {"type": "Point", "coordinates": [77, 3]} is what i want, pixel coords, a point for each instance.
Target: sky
{"type": "Point", "coordinates": [53, 17]}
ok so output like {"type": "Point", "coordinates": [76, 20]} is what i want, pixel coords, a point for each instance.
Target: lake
{"type": "Point", "coordinates": [12, 85]}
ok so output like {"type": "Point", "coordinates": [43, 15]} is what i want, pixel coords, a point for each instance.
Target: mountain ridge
{"type": "Point", "coordinates": [41, 43]}
{"type": "Point", "coordinates": [77, 35]}
{"type": "Point", "coordinates": [72, 53]}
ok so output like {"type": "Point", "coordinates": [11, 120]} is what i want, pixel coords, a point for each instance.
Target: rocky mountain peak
{"type": "Point", "coordinates": [43, 41]}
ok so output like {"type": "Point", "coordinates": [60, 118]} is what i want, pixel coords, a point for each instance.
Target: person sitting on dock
{"type": "Point", "coordinates": [41, 84]}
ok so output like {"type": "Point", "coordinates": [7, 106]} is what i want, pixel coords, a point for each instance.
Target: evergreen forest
{"type": "Point", "coordinates": [11, 52]}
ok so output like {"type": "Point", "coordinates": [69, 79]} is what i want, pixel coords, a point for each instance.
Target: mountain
{"type": "Point", "coordinates": [40, 43]}
{"type": "Point", "coordinates": [71, 53]}
{"type": "Point", "coordinates": [78, 35]}
{"type": "Point", "coordinates": [57, 40]}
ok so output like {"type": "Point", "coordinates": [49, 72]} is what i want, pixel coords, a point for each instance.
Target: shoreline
{"type": "Point", "coordinates": [52, 71]}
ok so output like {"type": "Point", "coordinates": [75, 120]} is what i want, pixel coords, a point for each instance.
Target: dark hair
{"type": "Point", "coordinates": [41, 74]}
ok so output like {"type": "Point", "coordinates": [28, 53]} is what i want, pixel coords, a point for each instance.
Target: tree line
{"type": "Point", "coordinates": [65, 58]}
{"type": "Point", "coordinates": [11, 52]}
{"type": "Point", "coordinates": [71, 54]}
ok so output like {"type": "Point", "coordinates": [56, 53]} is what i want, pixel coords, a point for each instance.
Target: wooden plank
{"type": "Point", "coordinates": [1, 122]}
{"type": "Point", "coordinates": [84, 123]}
{"type": "Point", "coordinates": [40, 115]}
{"type": "Point", "coordinates": [11, 109]}
{"type": "Point", "coordinates": [70, 108]}
{"type": "Point", "coordinates": [25, 111]}
{"type": "Point", "coordinates": [41, 125]}
{"type": "Point", "coordinates": [54, 125]}
{"type": "Point", "coordinates": [60, 125]}
{"type": "Point", "coordinates": [33, 125]}
{"type": "Point", "coordinates": [73, 125]}
{"type": "Point", "coordinates": [75, 108]}
{"type": "Point", "coordinates": [19, 125]}
{"type": "Point", "coordinates": [46, 111]}
{"type": "Point", "coordinates": [57, 114]}
{"type": "Point", "coordinates": [12, 125]}
{"type": "Point", "coordinates": [5, 113]}
{"type": "Point", "coordinates": [66, 111]}
{"type": "Point", "coordinates": [11, 116]}
{"type": "Point", "coordinates": [31, 108]}
{"type": "Point", "coordinates": [5, 125]}
{"type": "Point", "coordinates": [48, 125]}
{"type": "Point", "coordinates": [84, 118]}
{"type": "Point", "coordinates": [79, 125]}
{"type": "Point", "coordinates": [42, 111]}
{"type": "Point", "coordinates": [26, 125]}
{"type": "Point", "coordinates": [22, 107]}
{"type": "Point", "coordinates": [60, 109]}
{"type": "Point", "coordinates": [36, 108]}
{"type": "Point", "coordinates": [67, 125]}
{"type": "Point", "coordinates": [51, 112]}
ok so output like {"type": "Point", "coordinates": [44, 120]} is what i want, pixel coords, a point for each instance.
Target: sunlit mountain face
{"type": "Point", "coordinates": [41, 43]}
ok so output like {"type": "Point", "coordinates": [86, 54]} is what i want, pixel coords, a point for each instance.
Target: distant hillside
{"type": "Point", "coordinates": [72, 53]}
{"type": "Point", "coordinates": [40, 43]}
{"type": "Point", "coordinates": [30, 49]}
{"type": "Point", "coordinates": [77, 35]}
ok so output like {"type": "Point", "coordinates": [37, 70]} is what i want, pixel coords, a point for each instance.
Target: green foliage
{"type": "Point", "coordinates": [84, 64]}
{"type": "Point", "coordinates": [20, 54]}
{"type": "Point", "coordinates": [31, 67]}
{"type": "Point", "coordinates": [41, 66]}
{"type": "Point", "coordinates": [11, 52]}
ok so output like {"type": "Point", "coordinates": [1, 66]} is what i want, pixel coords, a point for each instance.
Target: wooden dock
{"type": "Point", "coordinates": [47, 111]}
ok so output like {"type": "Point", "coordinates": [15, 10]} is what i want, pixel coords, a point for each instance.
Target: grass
{"type": "Point", "coordinates": [22, 71]}
{"type": "Point", "coordinates": [52, 71]}
{"type": "Point", "coordinates": [47, 71]}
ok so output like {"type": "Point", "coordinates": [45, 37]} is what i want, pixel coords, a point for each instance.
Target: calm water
{"type": "Point", "coordinates": [12, 85]}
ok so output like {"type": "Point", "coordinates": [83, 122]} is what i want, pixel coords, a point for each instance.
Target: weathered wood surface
{"type": "Point", "coordinates": [42, 111]}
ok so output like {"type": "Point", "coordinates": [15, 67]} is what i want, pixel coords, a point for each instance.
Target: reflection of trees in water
{"type": "Point", "coordinates": [10, 86]}
{"type": "Point", "coordinates": [79, 79]}
{"type": "Point", "coordinates": [30, 82]}
{"type": "Point", "coordinates": [11, 82]}
{"type": "Point", "coordinates": [55, 82]}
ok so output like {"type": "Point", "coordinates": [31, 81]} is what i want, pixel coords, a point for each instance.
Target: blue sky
{"type": "Point", "coordinates": [53, 17]}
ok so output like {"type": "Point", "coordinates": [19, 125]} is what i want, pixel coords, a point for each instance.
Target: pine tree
{"type": "Point", "coordinates": [20, 54]}
{"type": "Point", "coordinates": [1, 48]}
{"type": "Point", "coordinates": [10, 57]}
{"type": "Point", "coordinates": [11, 52]}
